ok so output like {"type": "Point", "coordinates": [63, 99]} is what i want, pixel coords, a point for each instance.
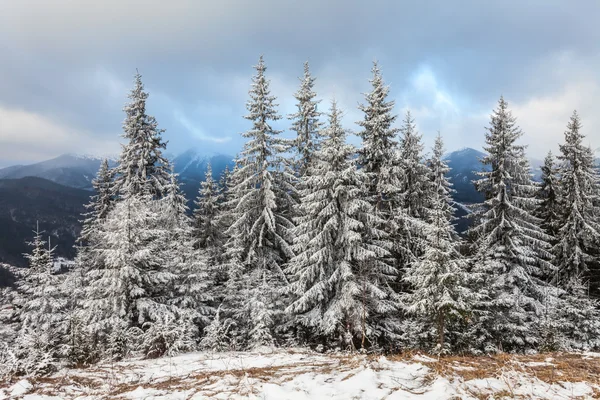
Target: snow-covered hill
{"type": "Point", "coordinates": [301, 374]}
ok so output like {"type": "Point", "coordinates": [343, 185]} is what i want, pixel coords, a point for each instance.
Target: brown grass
{"type": "Point", "coordinates": [563, 367]}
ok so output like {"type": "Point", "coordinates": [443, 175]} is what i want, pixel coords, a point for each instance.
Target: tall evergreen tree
{"type": "Point", "coordinates": [43, 323]}
{"type": "Point", "coordinates": [191, 270]}
{"type": "Point", "coordinates": [258, 243]}
{"type": "Point", "coordinates": [127, 295]}
{"type": "Point", "coordinates": [548, 194]}
{"type": "Point", "coordinates": [510, 250]}
{"type": "Point", "coordinates": [142, 168]}
{"type": "Point", "coordinates": [440, 296]}
{"type": "Point", "coordinates": [206, 223]}
{"type": "Point", "coordinates": [334, 293]}
{"type": "Point", "coordinates": [305, 123]}
{"type": "Point", "coordinates": [100, 203]}
{"type": "Point", "coordinates": [377, 155]}
{"type": "Point", "coordinates": [378, 158]}
{"type": "Point", "coordinates": [415, 184]}
{"type": "Point", "coordinates": [579, 232]}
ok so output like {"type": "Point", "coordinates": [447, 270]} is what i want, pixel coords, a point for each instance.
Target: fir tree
{"type": "Point", "coordinates": [206, 223]}
{"type": "Point", "coordinates": [335, 293]}
{"type": "Point", "coordinates": [548, 194]}
{"type": "Point", "coordinates": [305, 123]}
{"type": "Point", "coordinates": [415, 184]}
{"type": "Point", "coordinates": [579, 226]}
{"type": "Point", "coordinates": [142, 168]}
{"type": "Point", "coordinates": [100, 203]}
{"type": "Point", "coordinates": [258, 243]}
{"type": "Point", "coordinates": [129, 290]}
{"type": "Point", "coordinates": [441, 296]}
{"type": "Point", "coordinates": [377, 156]}
{"type": "Point", "coordinates": [511, 249]}
{"type": "Point", "coordinates": [42, 312]}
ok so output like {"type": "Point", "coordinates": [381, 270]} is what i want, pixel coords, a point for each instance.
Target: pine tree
{"type": "Point", "coordinates": [510, 248]}
{"type": "Point", "coordinates": [334, 292]}
{"type": "Point", "coordinates": [43, 323]}
{"type": "Point", "coordinates": [306, 123]}
{"type": "Point", "coordinates": [191, 269]}
{"type": "Point", "coordinates": [258, 244]}
{"type": "Point", "coordinates": [579, 225]}
{"type": "Point", "coordinates": [549, 209]}
{"type": "Point", "coordinates": [100, 203]}
{"type": "Point", "coordinates": [441, 296]}
{"type": "Point", "coordinates": [377, 156]}
{"type": "Point", "coordinates": [128, 292]}
{"type": "Point", "coordinates": [415, 185]}
{"type": "Point", "coordinates": [206, 223]}
{"type": "Point", "coordinates": [142, 168]}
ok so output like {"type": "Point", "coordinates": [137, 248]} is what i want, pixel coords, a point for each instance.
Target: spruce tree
{"type": "Point", "coordinates": [142, 168]}
{"type": "Point", "coordinates": [100, 203]}
{"type": "Point", "coordinates": [305, 123]}
{"type": "Point", "coordinates": [206, 223]}
{"type": "Point", "coordinates": [440, 296]}
{"type": "Point", "coordinates": [379, 159]}
{"type": "Point", "coordinates": [258, 245]}
{"type": "Point", "coordinates": [377, 155]}
{"type": "Point", "coordinates": [548, 194]}
{"type": "Point", "coordinates": [338, 278]}
{"type": "Point", "coordinates": [126, 297]}
{"type": "Point", "coordinates": [190, 267]}
{"type": "Point", "coordinates": [511, 250]}
{"type": "Point", "coordinates": [43, 325]}
{"type": "Point", "coordinates": [579, 227]}
{"type": "Point", "coordinates": [415, 184]}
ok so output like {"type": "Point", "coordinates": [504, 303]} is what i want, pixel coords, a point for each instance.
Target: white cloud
{"type": "Point", "coordinates": [25, 136]}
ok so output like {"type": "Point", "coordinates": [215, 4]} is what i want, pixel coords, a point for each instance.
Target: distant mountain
{"type": "Point", "coordinates": [191, 167]}
{"type": "Point", "coordinates": [68, 170]}
{"type": "Point", "coordinates": [26, 200]}
{"type": "Point", "coordinates": [78, 171]}
{"type": "Point", "coordinates": [464, 163]}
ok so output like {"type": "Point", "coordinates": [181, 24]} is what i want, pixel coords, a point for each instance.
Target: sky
{"type": "Point", "coordinates": [67, 67]}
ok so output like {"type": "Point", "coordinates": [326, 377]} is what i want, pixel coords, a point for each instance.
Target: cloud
{"type": "Point", "coordinates": [72, 63]}
{"type": "Point", "coordinates": [27, 136]}
{"type": "Point", "coordinates": [198, 132]}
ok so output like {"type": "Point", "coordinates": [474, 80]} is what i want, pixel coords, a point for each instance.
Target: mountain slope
{"type": "Point", "coordinates": [68, 170]}
{"type": "Point", "coordinates": [26, 200]}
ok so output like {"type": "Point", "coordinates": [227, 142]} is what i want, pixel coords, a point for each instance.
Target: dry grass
{"type": "Point", "coordinates": [552, 368]}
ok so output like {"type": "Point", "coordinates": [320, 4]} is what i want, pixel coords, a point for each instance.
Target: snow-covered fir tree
{"type": "Point", "coordinates": [129, 295]}
{"type": "Point", "coordinates": [339, 278]}
{"type": "Point", "coordinates": [379, 159]}
{"type": "Point", "coordinates": [578, 234]}
{"type": "Point", "coordinates": [208, 231]}
{"type": "Point", "coordinates": [189, 265]}
{"type": "Point", "coordinates": [142, 168]}
{"type": "Point", "coordinates": [440, 294]}
{"type": "Point", "coordinates": [258, 244]}
{"type": "Point", "coordinates": [511, 250]}
{"type": "Point", "coordinates": [100, 203]}
{"type": "Point", "coordinates": [377, 155]}
{"type": "Point", "coordinates": [548, 194]}
{"type": "Point", "coordinates": [415, 185]}
{"type": "Point", "coordinates": [305, 123]}
{"type": "Point", "coordinates": [43, 325]}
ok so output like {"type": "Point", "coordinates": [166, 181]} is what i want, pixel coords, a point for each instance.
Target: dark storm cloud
{"type": "Point", "coordinates": [68, 65]}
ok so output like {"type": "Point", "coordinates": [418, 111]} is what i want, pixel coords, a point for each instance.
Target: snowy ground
{"type": "Point", "coordinates": [303, 375]}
